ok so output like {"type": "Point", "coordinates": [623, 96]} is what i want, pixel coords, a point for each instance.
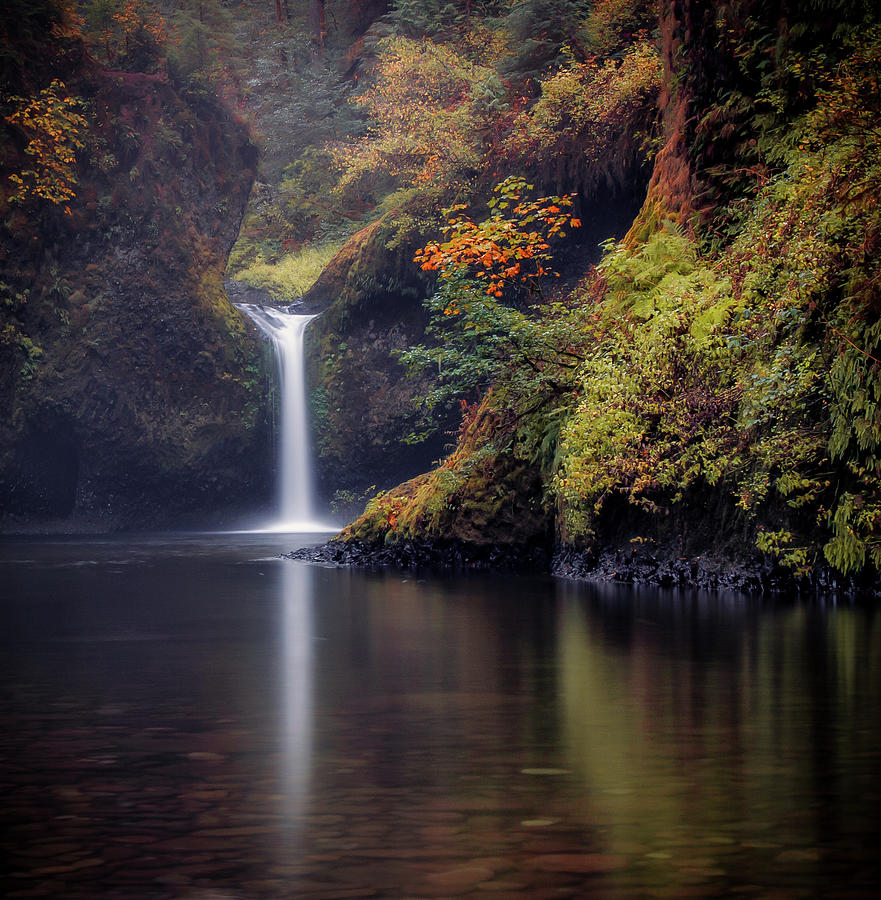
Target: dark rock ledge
{"type": "Point", "coordinates": [708, 573]}
{"type": "Point", "coordinates": [429, 555]}
{"type": "Point", "coordinates": [756, 575]}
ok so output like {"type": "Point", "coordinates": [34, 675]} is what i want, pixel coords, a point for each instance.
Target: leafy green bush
{"type": "Point", "coordinates": [657, 392]}
{"type": "Point", "coordinates": [593, 121]}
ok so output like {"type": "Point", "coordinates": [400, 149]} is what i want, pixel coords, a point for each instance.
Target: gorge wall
{"type": "Point", "coordinates": [714, 417]}
{"type": "Point", "coordinates": [131, 390]}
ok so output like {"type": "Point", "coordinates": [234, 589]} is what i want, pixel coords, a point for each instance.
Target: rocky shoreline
{"type": "Point", "coordinates": [755, 577]}
{"type": "Point", "coordinates": [428, 555]}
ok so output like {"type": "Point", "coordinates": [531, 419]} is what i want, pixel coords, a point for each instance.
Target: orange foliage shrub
{"type": "Point", "coordinates": [511, 247]}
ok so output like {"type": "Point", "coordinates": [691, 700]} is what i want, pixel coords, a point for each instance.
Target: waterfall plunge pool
{"type": "Point", "coordinates": [191, 716]}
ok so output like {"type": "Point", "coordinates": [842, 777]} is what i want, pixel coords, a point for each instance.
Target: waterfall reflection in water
{"type": "Point", "coordinates": [297, 687]}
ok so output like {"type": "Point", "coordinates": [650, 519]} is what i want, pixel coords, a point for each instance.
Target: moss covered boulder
{"type": "Point", "coordinates": [484, 493]}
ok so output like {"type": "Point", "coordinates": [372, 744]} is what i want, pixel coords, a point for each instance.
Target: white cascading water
{"type": "Point", "coordinates": [296, 504]}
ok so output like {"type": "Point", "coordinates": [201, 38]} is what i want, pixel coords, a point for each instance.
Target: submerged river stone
{"type": "Point", "coordinates": [580, 862]}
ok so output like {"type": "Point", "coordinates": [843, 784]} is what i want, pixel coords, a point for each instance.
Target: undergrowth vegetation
{"type": "Point", "coordinates": [743, 365]}
{"type": "Point", "coordinates": [292, 274]}
{"type": "Point", "coordinates": [755, 369]}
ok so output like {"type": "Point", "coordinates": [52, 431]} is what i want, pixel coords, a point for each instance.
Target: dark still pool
{"type": "Point", "coordinates": [193, 717]}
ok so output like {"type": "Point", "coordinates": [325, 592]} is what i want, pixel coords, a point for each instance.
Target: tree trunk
{"type": "Point", "coordinates": [317, 28]}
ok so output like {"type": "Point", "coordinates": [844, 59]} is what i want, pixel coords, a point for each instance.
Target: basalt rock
{"type": "Point", "coordinates": [131, 390]}
{"type": "Point", "coordinates": [428, 555]}
{"type": "Point", "coordinates": [756, 576]}
{"type": "Point", "coordinates": [611, 566]}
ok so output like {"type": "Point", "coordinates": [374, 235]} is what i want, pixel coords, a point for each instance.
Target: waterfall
{"type": "Point", "coordinates": [296, 503]}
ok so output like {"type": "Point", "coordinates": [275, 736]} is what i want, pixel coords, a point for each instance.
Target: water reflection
{"type": "Point", "coordinates": [708, 734]}
{"type": "Point", "coordinates": [297, 686]}
{"type": "Point", "coordinates": [196, 718]}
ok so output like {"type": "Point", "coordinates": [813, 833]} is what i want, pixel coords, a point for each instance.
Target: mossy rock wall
{"type": "Point", "coordinates": [362, 398]}
{"type": "Point", "coordinates": [131, 390]}
{"type": "Point", "coordinates": [484, 493]}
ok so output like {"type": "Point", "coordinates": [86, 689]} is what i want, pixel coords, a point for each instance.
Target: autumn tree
{"type": "Point", "coordinates": [426, 108]}
{"type": "Point", "coordinates": [53, 126]}
{"type": "Point", "coordinates": [477, 337]}
{"type": "Point", "coordinates": [511, 247]}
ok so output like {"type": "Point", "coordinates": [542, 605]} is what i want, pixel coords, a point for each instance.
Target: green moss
{"type": "Point", "coordinates": [484, 493]}
{"type": "Point", "coordinates": [292, 275]}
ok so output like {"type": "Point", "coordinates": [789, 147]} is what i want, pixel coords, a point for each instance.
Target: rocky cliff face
{"type": "Point", "coordinates": [363, 401]}
{"type": "Point", "coordinates": [131, 390]}
{"type": "Point", "coordinates": [721, 429]}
